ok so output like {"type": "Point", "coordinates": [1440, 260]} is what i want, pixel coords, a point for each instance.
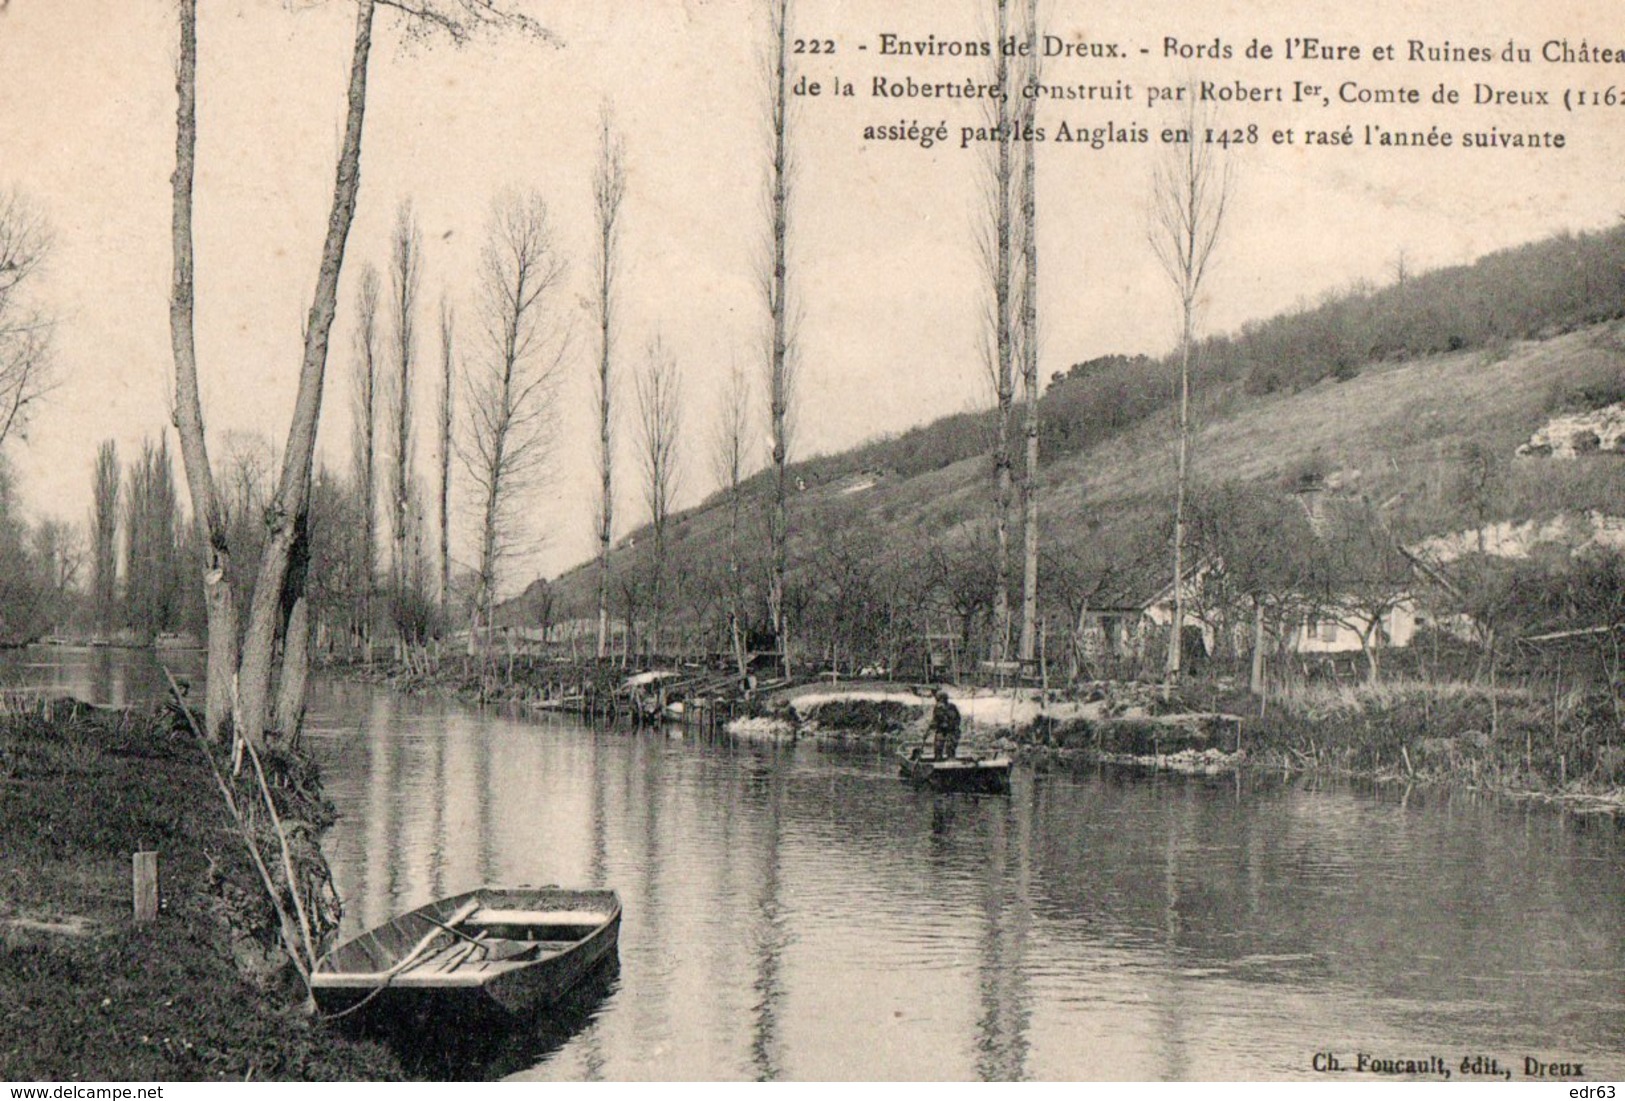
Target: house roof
{"type": "Point", "coordinates": [1139, 584]}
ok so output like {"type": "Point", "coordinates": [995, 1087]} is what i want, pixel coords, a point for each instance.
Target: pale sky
{"type": "Point", "coordinates": [882, 253]}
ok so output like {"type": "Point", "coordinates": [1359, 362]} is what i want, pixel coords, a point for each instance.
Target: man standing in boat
{"type": "Point", "coordinates": [944, 727]}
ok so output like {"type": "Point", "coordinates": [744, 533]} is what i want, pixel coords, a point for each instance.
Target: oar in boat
{"type": "Point", "coordinates": [384, 978]}
{"type": "Point", "coordinates": [463, 913]}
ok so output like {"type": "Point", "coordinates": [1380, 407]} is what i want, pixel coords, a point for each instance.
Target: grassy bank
{"type": "Point", "coordinates": [499, 680]}
{"type": "Point", "coordinates": [1508, 739]}
{"type": "Point", "coordinates": [88, 994]}
{"type": "Point", "coordinates": [1569, 747]}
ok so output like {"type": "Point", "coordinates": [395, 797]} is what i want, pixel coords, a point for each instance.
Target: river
{"type": "Point", "coordinates": [796, 912]}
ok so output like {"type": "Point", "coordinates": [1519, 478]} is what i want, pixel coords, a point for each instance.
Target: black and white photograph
{"type": "Point", "coordinates": [909, 541]}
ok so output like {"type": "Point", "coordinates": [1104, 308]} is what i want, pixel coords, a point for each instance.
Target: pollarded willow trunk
{"type": "Point", "coordinates": [292, 691]}
{"type": "Point", "coordinates": [296, 634]}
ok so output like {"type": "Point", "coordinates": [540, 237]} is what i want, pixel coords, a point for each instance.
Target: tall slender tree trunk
{"type": "Point", "coordinates": [730, 468]}
{"type": "Point", "coordinates": [447, 401]}
{"type": "Point", "coordinates": [483, 600]}
{"type": "Point", "coordinates": [609, 188]}
{"type": "Point", "coordinates": [1176, 635]}
{"type": "Point", "coordinates": [405, 273]}
{"type": "Point", "coordinates": [779, 379]}
{"type": "Point", "coordinates": [366, 447]}
{"type": "Point", "coordinates": [1004, 368]}
{"type": "Point", "coordinates": [1189, 196]}
{"type": "Point", "coordinates": [607, 499]}
{"type": "Point", "coordinates": [779, 366]}
{"type": "Point", "coordinates": [219, 606]}
{"type": "Point", "coordinates": [293, 491]}
{"type": "Point", "coordinates": [1029, 360]}
{"type": "Point", "coordinates": [369, 467]}
{"type": "Point", "coordinates": [104, 528]}
{"type": "Point", "coordinates": [1257, 681]}
{"type": "Point", "coordinates": [656, 596]}
{"type": "Point", "coordinates": [733, 578]}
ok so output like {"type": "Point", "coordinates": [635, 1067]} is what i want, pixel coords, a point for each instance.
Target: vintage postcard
{"type": "Point", "coordinates": [812, 540]}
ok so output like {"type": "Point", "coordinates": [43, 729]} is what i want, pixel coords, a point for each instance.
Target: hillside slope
{"type": "Point", "coordinates": [1402, 436]}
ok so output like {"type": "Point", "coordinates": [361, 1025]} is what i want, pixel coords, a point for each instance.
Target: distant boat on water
{"type": "Point", "coordinates": [985, 775]}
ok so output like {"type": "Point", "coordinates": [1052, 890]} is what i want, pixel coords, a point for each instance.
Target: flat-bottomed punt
{"type": "Point", "coordinates": [512, 950]}
{"type": "Point", "coordinates": [984, 775]}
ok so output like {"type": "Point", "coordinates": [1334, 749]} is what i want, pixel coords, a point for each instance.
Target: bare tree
{"type": "Point", "coordinates": [104, 536]}
{"type": "Point", "coordinates": [1190, 190]}
{"type": "Point", "coordinates": [253, 673]}
{"type": "Point", "coordinates": [447, 412]}
{"type": "Point", "coordinates": [729, 455]}
{"type": "Point", "coordinates": [405, 277]}
{"type": "Point", "coordinates": [152, 517]}
{"type": "Point", "coordinates": [59, 548]}
{"type": "Point", "coordinates": [1364, 576]}
{"type": "Point", "coordinates": [995, 244]}
{"type": "Point", "coordinates": [365, 419]}
{"type": "Point", "coordinates": [510, 406]}
{"type": "Point", "coordinates": [25, 331]}
{"type": "Point", "coordinates": [658, 423]}
{"type": "Point", "coordinates": [608, 190]}
{"type": "Point", "coordinates": [781, 358]}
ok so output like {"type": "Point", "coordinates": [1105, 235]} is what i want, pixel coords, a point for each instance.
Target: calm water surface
{"type": "Point", "coordinates": [797, 912]}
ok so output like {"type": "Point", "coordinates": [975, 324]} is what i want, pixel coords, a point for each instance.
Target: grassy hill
{"type": "Point", "coordinates": [891, 539]}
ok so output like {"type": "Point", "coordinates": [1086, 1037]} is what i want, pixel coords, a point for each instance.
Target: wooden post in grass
{"type": "Point", "coordinates": [144, 884]}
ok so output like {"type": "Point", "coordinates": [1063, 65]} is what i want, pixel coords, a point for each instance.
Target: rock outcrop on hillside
{"type": "Point", "coordinates": [1576, 434]}
{"type": "Point", "coordinates": [1577, 532]}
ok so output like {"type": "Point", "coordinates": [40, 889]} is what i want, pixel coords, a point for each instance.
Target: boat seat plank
{"type": "Point", "coordinates": [536, 917]}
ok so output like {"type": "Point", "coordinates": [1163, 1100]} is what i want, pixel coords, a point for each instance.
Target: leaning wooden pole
{"type": "Point", "coordinates": [237, 816]}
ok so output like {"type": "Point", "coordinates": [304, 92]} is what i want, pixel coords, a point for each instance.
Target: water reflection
{"type": "Point", "coordinates": [793, 912]}
{"type": "Point", "coordinates": [769, 933]}
{"type": "Point", "coordinates": [105, 675]}
{"type": "Point", "coordinates": [447, 1046]}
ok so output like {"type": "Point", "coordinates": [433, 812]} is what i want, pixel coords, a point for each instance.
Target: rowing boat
{"type": "Point", "coordinates": [514, 950]}
{"type": "Point", "coordinates": [985, 775]}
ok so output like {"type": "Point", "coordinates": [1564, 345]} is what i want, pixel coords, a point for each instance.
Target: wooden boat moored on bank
{"type": "Point", "coordinates": [512, 950]}
{"type": "Point", "coordinates": [987, 775]}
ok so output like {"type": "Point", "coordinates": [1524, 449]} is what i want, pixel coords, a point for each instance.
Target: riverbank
{"type": "Point", "coordinates": [498, 681]}
{"type": "Point", "coordinates": [1568, 750]}
{"type": "Point", "coordinates": [90, 995]}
